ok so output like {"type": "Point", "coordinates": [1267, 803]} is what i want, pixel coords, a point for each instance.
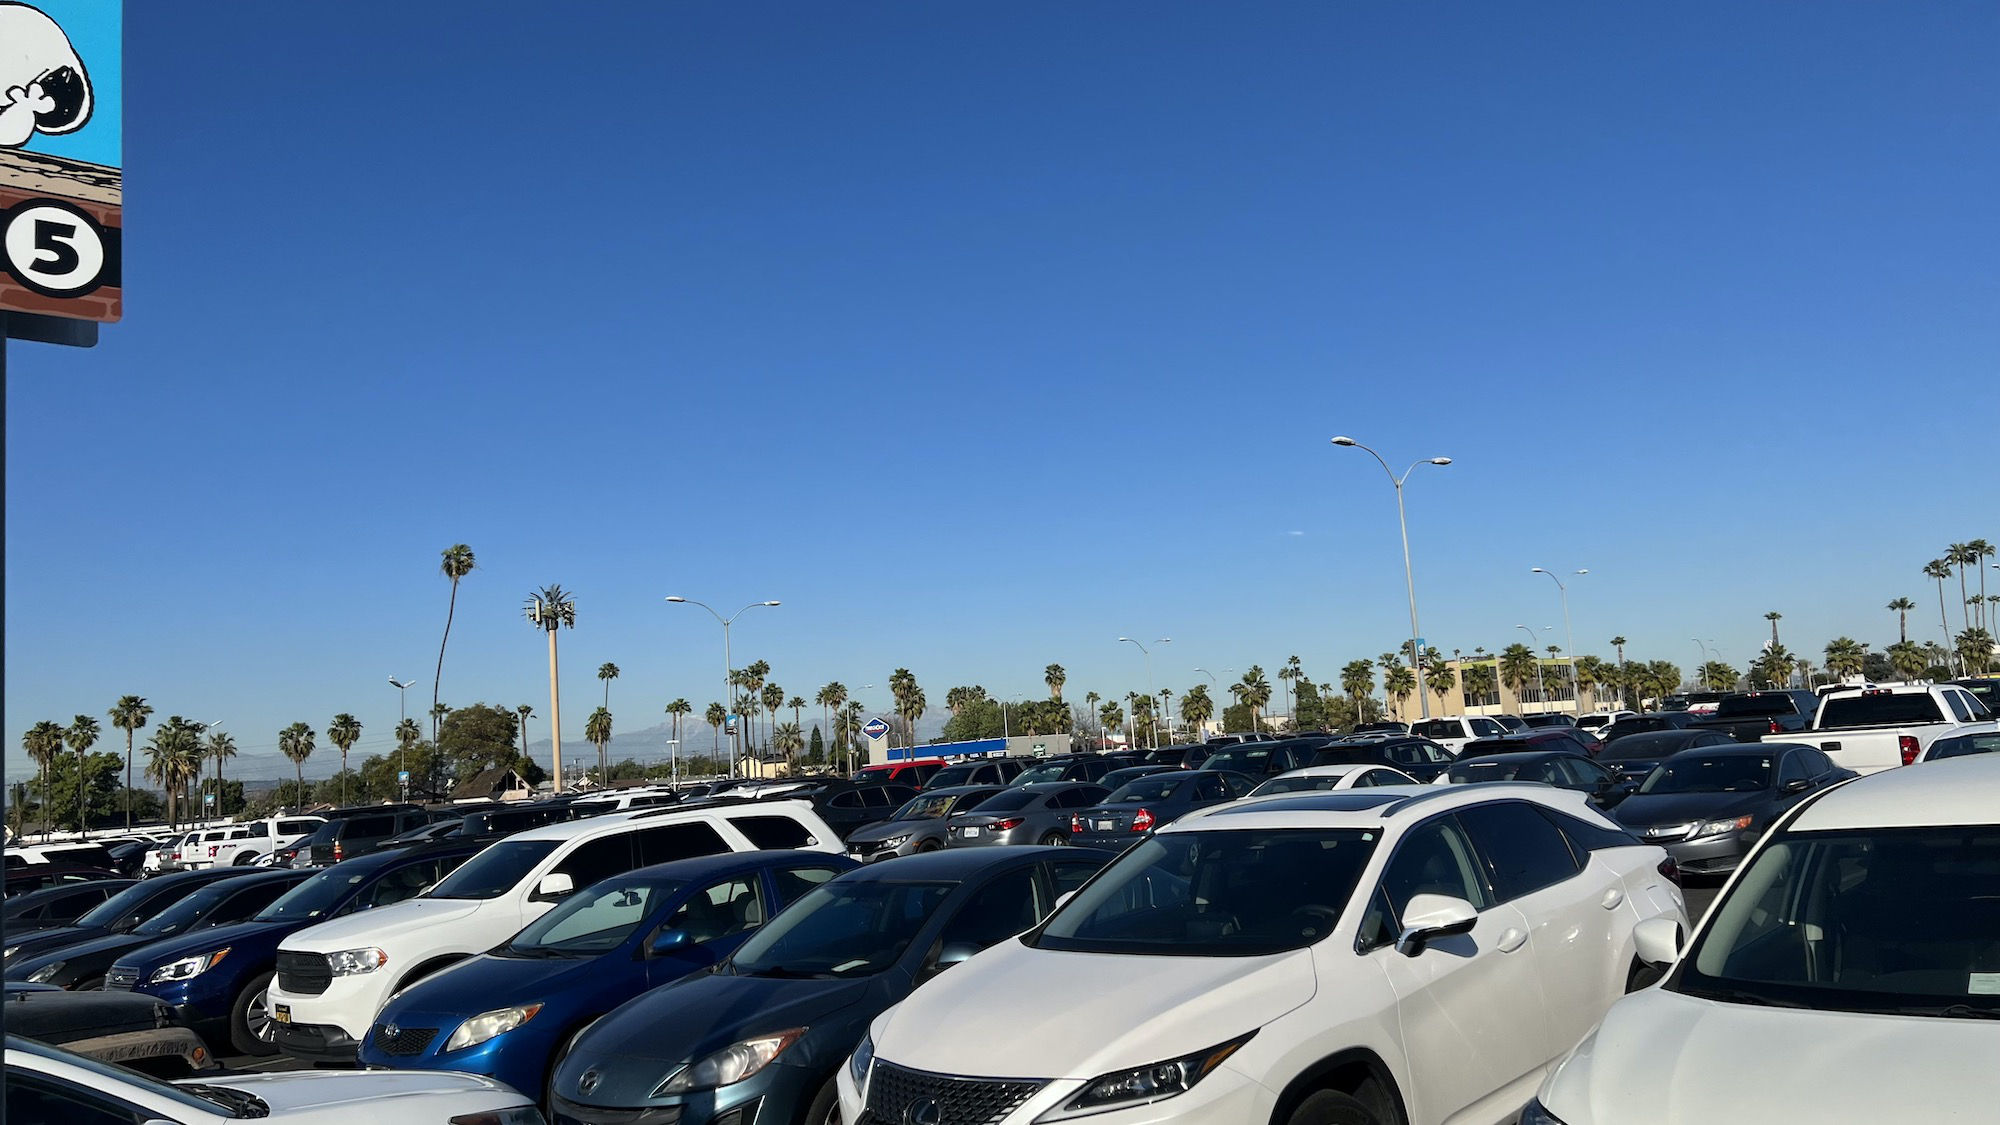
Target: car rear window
{"type": "Point", "coordinates": [773, 832]}
{"type": "Point", "coordinates": [1878, 709]}
{"type": "Point", "coordinates": [1756, 705]}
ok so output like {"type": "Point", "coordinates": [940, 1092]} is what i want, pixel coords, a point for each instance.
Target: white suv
{"type": "Point", "coordinates": [1453, 731]}
{"type": "Point", "coordinates": [1397, 954]}
{"type": "Point", "coordinates": [334, 977]}
{"type": "Point", "coordinates": [1850, 971]}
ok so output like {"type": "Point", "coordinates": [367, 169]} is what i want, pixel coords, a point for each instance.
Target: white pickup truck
{"type": "Point", "coordinates": [238, 845]}
{"type": "Point", "coordinates": [1870, 729]}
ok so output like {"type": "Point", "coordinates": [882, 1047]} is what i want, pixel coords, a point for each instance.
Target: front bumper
{"type": "Point", "coordinates": [776, 1095]}
{"type": "Point", "coordinates": [1713, 855]}
{"type": "Point", "coordinates": [336, 1018]}
{"type": "Point", "coordinates": [314, 1042]}
{"type": "Point", "coordinates": [1226, 1095]}
{"type": "Point", "coordinates": [520, 1057]}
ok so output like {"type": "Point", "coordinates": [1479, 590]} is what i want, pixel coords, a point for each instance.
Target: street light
{"type": "Point", "coordinates": [727, 687]}
{"type": "Point", "coordinates": [1149, 676]}
{"type": "Point", "coordinates": [1537, 650]}
{"type": "Point", "coordinates": [1569, 638]}
{"type": "Point", "coordinates": [402, 715]}
{"type": "Point", "coordinates": [1409, 575]}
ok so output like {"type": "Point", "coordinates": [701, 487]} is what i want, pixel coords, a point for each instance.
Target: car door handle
{"type": "Point", "coordinates": [1510, 940]}
{"type": "Point", "coordinates": [1611, 898]}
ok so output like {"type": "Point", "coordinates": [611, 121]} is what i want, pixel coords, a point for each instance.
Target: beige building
{"type": "Point", "coordinates": [1551, 694]}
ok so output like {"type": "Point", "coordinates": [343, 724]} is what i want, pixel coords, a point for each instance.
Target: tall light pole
{"type": "Point", "coordinates": [1409, 575]}
{"type": "Point", "coordinates": [1536, 649]}
{"type": "Point", "coordinates": [1569, 638]}
{"type": "Point", "coordinates": [1149, 677]}
{"type": "Point", "coordinates": [402, 715]}
{"type": "Point", "coordinates": [727, 687]}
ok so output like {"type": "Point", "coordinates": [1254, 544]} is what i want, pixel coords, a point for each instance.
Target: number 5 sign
{"type": "Point", "coordinates": [55, 249]}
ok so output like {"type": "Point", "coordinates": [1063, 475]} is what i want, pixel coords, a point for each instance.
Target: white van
{"type": "Point", "coordinates": [1453, 731]}
{"type": "Point", "coordinates": [334, 977]}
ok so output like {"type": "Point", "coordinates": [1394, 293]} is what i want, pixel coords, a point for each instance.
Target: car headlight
{"type": "Point", "coordinates": [1144, 1084]}
{"type": "Point", "coordinates": [352, 962]}
{"type": "Point", "coordinates": [1538, 1114]}
{"type": "Point", "coordinates": [730, 1065]}
{"type": "Point", "coordinates": [862, 1058]}
{"type": "Point", "coordinates": [1718, 827]}
{"type": "Point", "coordinates": [46, 973]}
{"type": "Point", "coordinates": [486, 1025]}
{"type": "Point", "coordinates": [512, 1115]}
{"type": "Point", "coordinates": [186, 968]}
{"type": "Point", "coordinates": [7, 954]}
{"type": "Point", "coordinates": [896, 841]}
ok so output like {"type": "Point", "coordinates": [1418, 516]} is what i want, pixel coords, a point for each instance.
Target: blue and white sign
{"type": "Point", "coordinates": [875, 728]}
{"type": "Point", "coordinates": [402, 777]}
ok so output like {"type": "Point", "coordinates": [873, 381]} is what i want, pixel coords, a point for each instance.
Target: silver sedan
{"type": "Point", "coordinates": [1025, 814]}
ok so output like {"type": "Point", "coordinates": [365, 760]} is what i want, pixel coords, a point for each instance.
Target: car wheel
{"type": "Point", "coordinates": [825, 1108]}
{"type": "Point", "coordinates": [243, 859]}
{"type": "Point", "coordinates": [93, 984]}
{"type": "Point", "coordinates": [1055, 839]}
{"type": "Point", "coordinates": [1331, 1107]}
{"type": "Point", "coordinates": [250, 1030]}
{"type": "Point", "coordinates": [929, 846]}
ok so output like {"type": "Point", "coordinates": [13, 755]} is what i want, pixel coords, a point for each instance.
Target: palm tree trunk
{"type": "Point", "coordinates": [128, 780]}
{"type": "Point", "coordinates": [555, 712]}
{"type": "Point", "coordinates": [1964, 605]}
{"type": "Point", "coordinates": [299, 782]}
{"type": "Point", "coordinates": [450, 610]}
{"type": "Point", "coordinates": [1945, 622]}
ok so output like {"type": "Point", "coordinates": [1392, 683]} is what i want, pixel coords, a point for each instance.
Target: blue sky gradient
{"type": "Point", "coordinates": [983, 334]}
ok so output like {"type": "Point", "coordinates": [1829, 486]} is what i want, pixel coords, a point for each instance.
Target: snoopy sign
{"type": "Point", "coordinates": [61, 157]}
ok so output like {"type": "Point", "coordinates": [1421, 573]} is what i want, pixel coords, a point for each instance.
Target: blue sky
{"type": "Point", "coordinates": [984, 334]}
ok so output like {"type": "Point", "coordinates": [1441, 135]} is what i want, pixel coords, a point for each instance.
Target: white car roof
{"type": "Point", "coordinates": [1377, 807]}
{"type": "Point", "coordinates": [611, 823]}
{"type": "Point", "coordinates": [1335, 770]}
{"type": "Point", "coordinates": [1954, 791]}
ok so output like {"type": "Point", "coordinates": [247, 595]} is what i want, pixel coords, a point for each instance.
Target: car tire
{"type": "Point", "coordinates": [929, 846]}
{"type": "Point", "coordinates": [93, 984]}
{"type": "Point", "coordinates": [243, 859]}
{"type": "Point", "coordinates": [1331, 1107]}
{"type": "Point", "coordinates": [825, 1107]}
{"type": "Point", "coordinates": [1055, 840]}
{"type": "Point", "coordinates": [250, 1019]}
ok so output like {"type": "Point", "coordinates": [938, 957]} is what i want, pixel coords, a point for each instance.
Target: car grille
{"type": "Point", "coordinates": [1666, 832]}
{"type": "Point", "coordinates": [863, 848]}
{"type": "Point", "coordinates": [121, 979]}
{"type": "Point", "coordinates": [303, 974]}
{"type": "Point", "coordinates": [405, 1041]}
{"type": "Point", "coordinates": [960, 1101]}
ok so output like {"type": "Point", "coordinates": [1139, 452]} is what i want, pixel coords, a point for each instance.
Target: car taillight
{"type": "Point", "coordinates": [1076, 824]}
{"type": "Point", "coordinates": [338, 851]}
{"type": "Point", "coordinates": [1004, 825]}
{"type": "Point", "coordinates": [1775, 728]}
{"type": "Point", "coordinates": [1908, 744]}
{"type": "Point", "coordinates": [1670, 871]}
{"type": "Point", "coordinates": [1142, 820]}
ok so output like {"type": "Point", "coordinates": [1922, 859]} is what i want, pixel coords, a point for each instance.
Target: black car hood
{"type": "Point", "coordinates": [82, 960]}
{"type": "Point", "coordinates": [34, 943]}
{"type": "Point", "coordinates": [65, 1017]}
{"type": "Point", "coordinates": [1642, 809]}
{"type": "Point", "coordinates": [638, 1045]}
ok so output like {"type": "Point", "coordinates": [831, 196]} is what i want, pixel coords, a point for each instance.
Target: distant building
{"type": "Point", "coordinates": [501, 783]}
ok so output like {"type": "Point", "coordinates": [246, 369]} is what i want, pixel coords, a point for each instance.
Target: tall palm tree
{"type": "Point", "coordinates": [81, 736]}
{"type": "Point", "coordinates": [788, 741]}
{"type": "Point", "coordinates": [1111, 715]}
{"type": "Point", "coordinates": [797, 705]}
{"type": "Point", "coordinates": [1517, 666]}
{"type": "Point", "coordinates": [716, 715]}
{"type": "Point", "coordinates": [219, 749]}
{"type": "Point", "coordinates": [1285, 677]}
{"type": "Point", "coordinates": [43, 742]}
{"type": "Point", "coordinates": [849, 722]}
{"type": "Point", "coordinates": [597, 730]}
{"type": "Point", "coordinates": [1197, 708]}
{"type": "Point", "coordinates": [1357, 681]}
{"type": "Point", "coordinates": [1845, 656]}
{"type": "Point", "coordinates": [607, 672]}
{"type": "Point", "coordinates": [1773, 617]}
{"type": "Point", "coordinates": [1901, 607]}
{"type": "Point", "coordinates": [915, 706]}
{"type": "Point", "coordinates": [548, 609]}
{"type": "Point", "coordinates": [344, 731]}
{"type": "Point", "coordinates": [772, 697]}
{"type": "Point", "coordinates": [408, 734]}
{"type": "Point", "coordinates": [1055, 677]}
{"type": "Point", "coordinates": [1590, 673]}
{"type": "Point", "coordinates": [1442, 681]}
{"type": "Point", "coordinates": [1618, 645]}
{"type": "Point", "coordinates": [1257, 693]}
{"type": "Point", "coordinates": [830, 699]}
{"type": "Point", "coordinates": [129, 715]}
{"type": "Point", "coordinates": [675, 710]}
{"type": "Point", "coordinates": [1980, 551]}
{"type": "Point", "coordinates": [901, 683]}
{"type": "Point", "coordinates": [455, 562]}
{"type": "Point", "coordinates": [1975, 651]}
{"type": "Point", "coordinates": [1167, 710]}
{"type": "Point", "coordinates": [1961, 555]}
{"type": "Point", "coordinates": [296, 742]}
{"type": "Point", "coordinates": [1398, 684]}
{"type": "Point", "coordinates": [753, 686]}
{"type": "Point", "coordinates": [1940, 569]}
{"type": "Point", "coordinates": [170, 755]}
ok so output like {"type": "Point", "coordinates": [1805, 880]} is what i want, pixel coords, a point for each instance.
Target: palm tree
{"type": "Point", "coordinates": [1285, 676]}
{"type": "Point", "coordinates": [129, 715]}
{"type": "Point", "coordinates": [1962, 555]}
{"type": "Point", "coordinates": [1774, 667]}
{"type": "Point", "coordinates": [81, 736]}
{"type": "Point", "coordinates": [1111, 715]}
{"type": "Point", "coordinates": [526, 711]}
{"type": "Point", "coordinates": [901, 683]}
{"type": "Point", "coordinates": [773, 697]}
{"type": "Point", "coordinates": [344, 731]}
{"type": "Point", "coordinates": [1908, 660]}
{"type": "Point", "coordinates": [1055, 677]}
{"type": "Point", "coordinates": [43, 742]}
{"type": "Point", "coordinates": [1197, 708]}
{"type": "Point", "coordinates": [1901, 607]}
{"type": "Point", "coordinates": [788, 741]}
{"type": "Point", "coordinates": [169, 759]}
{"type": "Point", "coordinates": [1590, 674]}
{"type": "Point", "coordinates": [1618, 644]}
{"type": "Point", "coordinates": [1773, 617]}
{"type": "Point", "coordinates": [1478, 681]}
{"type": "Point", "coordinates": [296, 742]}
{"type": "Point", "coordinates": [1398, 683]}
{"type": "Point", "coordinates": [597, 729]}
{"type": "Point", "coordinates": [1845, 656]}
{"type": "Point", "coordinates": [1980, 550]}
{"type": "Point", "coordinates": [607, 672]}
{"type": "Point", "coordinates": [830, 699]}
{"type": "Point", "coordinates": [1257, 693]}
{"type": "Point", "coordinates": [220, 748]}
{"type": "Point", "coordinates": [1663, 676]}
{"type": "Point", "coordinates": [679, 707]}
{"type": "Point", "coordinates": [1940, 569]}
{"type": "Point", "coordinates": [916, 707]}
{"type": "Point", "coordinates": [849, 722]}
{"type": "Point", "coordinates": [1442, 680]}
{"type": "Point", "coordinates": [753, 686]}
{"type": "Point", "coordinates": [456, 562]}
{"type": "Point", "coordinates": [1975, 651]}
{"type": "Point", "coordinates": [1167, 710]}
{"type": "Point", "coordinates": [548, 609]}
{"type": "Point", "coordinates": [716, 715]}
{"type": "Point", "coordinates": [1716, 676]}
{"type": "Point", "coordinates": [407, 734]}
{"type": "Point", "coordinates": [1517, 666]}
{"type": "Point", "coordinates": [1357, 680]}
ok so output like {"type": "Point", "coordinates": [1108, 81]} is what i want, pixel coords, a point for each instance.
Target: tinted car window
{"type": "Point", "coordinates": [246, 903]}
{"type": "Point", "coordinates": [1523, 851]}
{"type": "Point", "coordinates": [771, 832]}
{"type": "Point", "coordinates": [1863, 709]}
{"type": "Point", "coordinates": [1002, 908]}
{"type": "Point", "coordinates": [1585, 836]}
{"type": "Point", "coordinates": [1011, 800]}
{"type": "Point", "coordinates": [1433, 859]}
{"type": "Point", "coordinates": [1079, 797]}
{"type": "Point", "coordinates": [1069, 874]}
{"type": "Point", "coordinates": [667, 842]}
{"type": "Point", "coordinates": [1737, 706]}
{"type": "Point", "coordinates": [363, 827]}
{"type": "Point", "coordinates": [795, 881]}
{"type": "Point", "coordinates": [1964, 744]}
{"type": "Point", "coordinates": [1710, 773]}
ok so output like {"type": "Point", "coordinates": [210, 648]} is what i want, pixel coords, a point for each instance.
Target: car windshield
{"type": "Point", "coordinates": [1883, 920]}
{"type": "Point", "coordinates": [1959, 747]}
{"type": "Point", "coordinates": [1052, 771]}
{"type": "Point", "coordinates": [1504, 767]}
{"type": "Point", "coordinates": [495, 871]}
{"type": "Point", "coordinates": [596, 920]}
{"type": "Point", "coordinates": [1709, 773]}
{"type": "Point", "coordinates": [187, 911]}
{"type": "Point", "coordinates": [1297, 784]}
{"type": "Point", "coordinates": [1146, 789]}
{"type": "Point", "coordinates": [932, 806]}
{"type": "Point", "coordinates": [1737, 705]}
{"type": "Point", "coordinates": [842, 928]}
{"type": "Point", "coordinates": [316, 896]}
{"type": "Point", "coordinates": [1242, 760]}
{"type": "Point", "coordinates": [1242, 893]}
{"type": "Point", "coordinates": [111, 910]}
{"type": "Point", "coordinates": [1007, 801]}
{"type": "Point", "coordinates": [1651, 744]}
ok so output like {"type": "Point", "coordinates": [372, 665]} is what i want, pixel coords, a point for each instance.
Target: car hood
{"type": "Point", "coordinates": [1641, 809]}
{"type": "Point", "coordinates": [484, 983]}
{"type": "Point", "coordinates": [1210, 998]}
{"type": "Point", "coordinates": [883, 829]}
{"type": "Point", "coordinates": [372, 927]}
{"type": "Point", "coordinates": [1678, 1060]}
{"type": "Point", "coordinates": [639, 1044]}
{"type": "Point", "coordinates": [41, 941]}
{"type": "Point", "coordinates": [99, 948]}
{"type": "Point", "coordinates": [178, 946]}
{"type": "Point", "coordinates": [320, 1095]}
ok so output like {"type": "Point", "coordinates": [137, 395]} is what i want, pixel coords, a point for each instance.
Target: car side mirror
{"type": "Point", "coordinates": [666, 941]}
{"type": "Point", "coordinates": [948, 955]}
{"type": "Point", "coordinates": [553, 888]}
{"type": "Point", "coordinates": [1657, 941]}
{"type": "Point", "coordinates": [1796, 785]}
{"type": "Point", "coordinates": [1429, 917]}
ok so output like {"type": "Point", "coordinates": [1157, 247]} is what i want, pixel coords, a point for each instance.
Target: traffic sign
{"type": "Point", "coordinates": [208, 798]}
{"type": "Point", "coordinates": [402, 777]}
{"type": "Point", "coordinates": [875, 728]}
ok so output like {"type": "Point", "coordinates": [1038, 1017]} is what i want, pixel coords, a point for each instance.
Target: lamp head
{"type": "Point", "coordinates": [1585, 570]}
{"type": "Point", "coordinates": [1343, 440]}
{"type": "Point", "coordinates": [1124, 638]}
{"type": "Point", "coordinates": [1536, 570]}
{"type": "Point", "coordinates": [771, 603]}
{"type": "Point", "coordinates": [1440, 460]}
{"type": "Point", "coordinates": [677, 599]}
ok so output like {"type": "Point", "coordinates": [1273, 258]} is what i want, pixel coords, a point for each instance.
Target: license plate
{"type": "Point", "coordinates": [281, 1013]}
{"type": "Point", "coordinates": [1104, 826]}
{"type": "Point", "coordinates": [968, 833]}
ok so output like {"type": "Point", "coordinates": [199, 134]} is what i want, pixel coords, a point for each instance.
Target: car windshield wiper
{"type": "Point", "coordinates": [1741, 996]}
{"type": "Point", "coordinates": [238, 1103]}
{"type": "Point", "coordinates": [538, 951]}
{"type": "Point", "coordinates": [777, 973]}
{"type": "Point", "coordinates": [1949, 1011]}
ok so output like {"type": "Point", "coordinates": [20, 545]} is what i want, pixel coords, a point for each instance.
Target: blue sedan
{"type": "Point", "coordinates": [510, 1013]}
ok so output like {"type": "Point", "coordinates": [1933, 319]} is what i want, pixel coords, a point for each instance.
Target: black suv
{"type": "Point", "coordinates": [1260, 760]}
{"type": "Point", "coordinates": [1419, 757]}
{"type": "Point", "coordinates": [357, 831]}
{"type": "Point", "coordinates": [978, 771]}
{"type": "Point", "coordinates": [1071, 767]}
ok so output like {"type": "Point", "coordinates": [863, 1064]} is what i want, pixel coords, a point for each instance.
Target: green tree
{"type": "Point", "coordinates": [219, 748]}
{"type": "Point", "coordinates": [1517, 666]}
{"type": "Point", "coordinates": [816, 747]}
{"type": "Point", "coordinates": [84, 786]}
{"type": "Point", "coordinates": [1399, 683]}
{"type": "Point", "coordinates": [344, 731]}
{"type": "Point", "coordinates": [772, 696]}
{"type": "Point", "coordinates": [1716, 676]}
{"type": "Point", "coordinates": [1055, 677]}
{"type": "Point", "coordinates": [1197, 708]}
{"type": "Point", "coordinates": [455, 562]}
{"type": "Point", "coordinates": [1773, 617]}
{"type": "Point", "coordinates": [129, 715]}
{"type": "Point", "coordinates": [1901, 607]}
{"type": "Point", "coordinates": [830, 698]}
{"type": "Point", "coordinates": [1442, 681]}
{"type": "Point", "coordinates": [1975, 651]}
{"type": "Point", "coordinates": [1663, 677]}
{"type": "Point", "coordinates": [296, 743]}
{"type": "Point", "coordinates": [1479, 681]}
{"type": "Point", "coordinates": [754, 678]}
{"type": "Point", "coordinates": [787, 740]}
{"type": "Point", "coordinates": [607, 672]}
{"type": "Point", "coordinates": [1357, 680]}
{"type": "Point", "coordinates": [1940, 569]}
{"type": "Point", "coordinates": [1907, 659]}
{"type": "Point", "coordinates": [548, 609]}
{"type": "Point", "coordinates": [43, 742]}
{"type": "Point", "coordinates": [1618, 646]}
{"type": "Point", "coordinates": [1256, 692]}
{"type": "Point", "coordinates": [1111, 715]}
{"type": "Point", "coordinates": [524, 712]}
{"type": "Point", "coordinates": [597, 730]}
{"type": "Point", "coordinates": [476, 738]}
{"type": "Point", "coordinates": [1773, 668]}
{"type": "Point", "coordinates": [1980, 550]}
{"type": "Point", "coordinates": [716, 715]}
{"type": "Point", "coordinates": [1308, 709]}
{"type": "Point", "coordinates": [1961, 555]}
{"type": "Point", "coordinates": [1845, 657]}
{"type": "Point", "coordinates": [81, 736]}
